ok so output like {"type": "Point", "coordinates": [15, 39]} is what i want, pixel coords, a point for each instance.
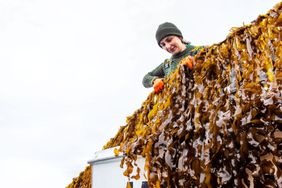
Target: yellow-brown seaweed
{"type": "Point", "coordinates": [212, 127]}
{"type": "Point", "coordinates": [219, 125]}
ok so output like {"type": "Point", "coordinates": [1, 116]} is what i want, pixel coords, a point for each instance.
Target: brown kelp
{"type": "Point", "coordinates": [219, 125]}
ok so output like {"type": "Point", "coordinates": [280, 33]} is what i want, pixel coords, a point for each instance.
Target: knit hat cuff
{"type": "Point", "coordinates": [165, 30]}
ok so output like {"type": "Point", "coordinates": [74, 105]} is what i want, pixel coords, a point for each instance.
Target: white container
{"type": "Point", "coordinates": [107, 173]}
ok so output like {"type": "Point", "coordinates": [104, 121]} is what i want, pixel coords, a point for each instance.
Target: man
{"type": "Point", "coordinates": [170, 38]}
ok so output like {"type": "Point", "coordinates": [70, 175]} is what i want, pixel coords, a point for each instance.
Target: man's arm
{"type": "Point", "coordinates": [149, 78]}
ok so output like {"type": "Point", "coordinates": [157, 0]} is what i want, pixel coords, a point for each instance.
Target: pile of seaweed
{"type": "Point", "coordinates": [219, 125]}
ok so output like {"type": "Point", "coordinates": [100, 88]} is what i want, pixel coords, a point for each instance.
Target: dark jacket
{"type": "Point", "coordinates": [169, 65]}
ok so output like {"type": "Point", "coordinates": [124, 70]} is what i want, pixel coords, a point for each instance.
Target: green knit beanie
{"type": "Point", "coordinates": [165, 30]}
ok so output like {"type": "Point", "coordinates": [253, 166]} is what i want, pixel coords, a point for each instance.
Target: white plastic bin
{"type": "Point", "coordinates": [106, 171]}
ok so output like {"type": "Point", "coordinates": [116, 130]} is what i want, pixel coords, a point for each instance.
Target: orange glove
{"type": "Point", "coordinates": [158, 85]}
{"type": "Point", "coordinates": [188, 62]}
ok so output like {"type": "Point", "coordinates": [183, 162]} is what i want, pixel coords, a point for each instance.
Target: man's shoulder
{"type": "Point", "coordinates": [194, 49]}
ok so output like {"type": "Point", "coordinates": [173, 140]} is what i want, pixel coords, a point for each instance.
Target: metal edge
{"type": "Point", "coordinates": [104, 159]}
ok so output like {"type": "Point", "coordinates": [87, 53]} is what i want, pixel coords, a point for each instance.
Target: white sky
{"type": "Point", "coordinates": [71, 72]}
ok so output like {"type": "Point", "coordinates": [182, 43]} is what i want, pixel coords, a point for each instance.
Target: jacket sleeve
{"type": "Point", "coordinates": [148, 79]}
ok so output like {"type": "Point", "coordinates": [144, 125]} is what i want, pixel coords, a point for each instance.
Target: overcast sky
{"type": "Point", "coordinates": [71, 72]}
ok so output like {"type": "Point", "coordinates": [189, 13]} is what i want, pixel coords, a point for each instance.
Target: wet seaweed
{"type": "Point", "coordinates": [219, 125]}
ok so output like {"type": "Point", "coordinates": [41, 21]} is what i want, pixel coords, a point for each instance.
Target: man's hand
{"type": "Point", "coordinates": [188, 62]}
{"type": "Point", "coordinates": [158, 85]}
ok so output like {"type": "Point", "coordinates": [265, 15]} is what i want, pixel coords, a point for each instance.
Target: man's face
{"type": "Point", "coordinates": [172, 44]}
